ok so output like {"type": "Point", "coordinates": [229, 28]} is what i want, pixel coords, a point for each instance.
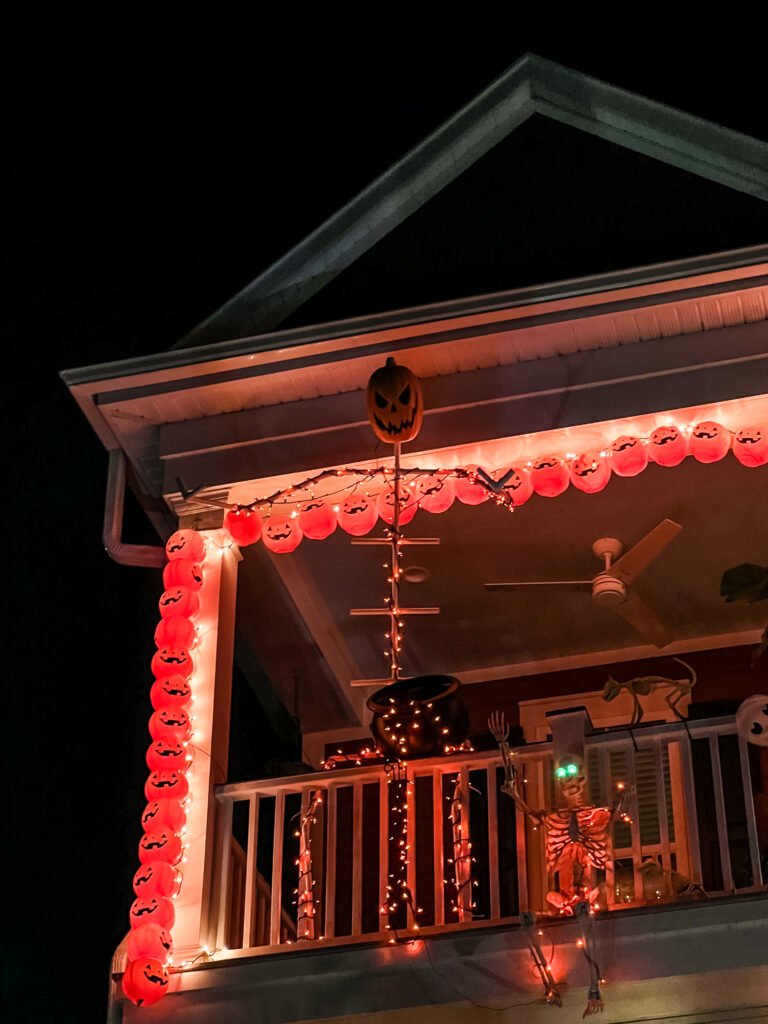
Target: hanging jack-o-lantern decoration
{"type": "Point", "coordinates": [434, 493]}
{"type": "Point", "coordinates": [590, 472]}
{"type": "Point", "coordinates": [517, 483]}
{"type": "Point", "coordinates": [166, 783]}
{"type": "Point", "coordinates": [467, 492]}
{"type": "Point", "coordinates": [629, 456]}
{"type": "Point", "coordinates": [709, 442]}
{"type": "Point", "coordinates": [182, 572]}
{"type": "Point", "coordinates": [385, 505]}
{"type": "Point", "coordinates": [158, 878]}
{"type": "Point", "coordinates": [152, 910]}
{"type": "Point", "coordinates": [171, 723]}
{"type": "Point", "coordinates": [317, 519]}
{"type": "Point", "coordinates": [145, 981]}
{"type": "Point", "coordinates": [150, 940]}
{"type": "Point", "coordinates": [172, 661]}
{"type": "Point", "coordinates": [186, 544]}
{"type": "Point", "coordinates": [244, 525]}
{"type": "Point", "coordinates": [750, 446]}
{"type": "Point", "coordinates": [163, 815]}
{"type": "Point", "coordinates": [179, 601]}
{"type": "Point", "coordinates": [395, 404]}
{"type": "Point", "coordinates": [167, 755]}
{"type": "Point", "coordinates": [170, 692]}
{"type": "Point", "coordinates": [282, 534]}
{"type": "Point", "coordinates": [668, 445]}
{"type": "Point", "coordinates": [358, 514]}
{"type": "Point", "coordinates": [176, 631]}
{"type": "Point", "coordinates": [163, 845]}
{"type": "Point", "coordinates": [752, 719]}
{"type": "Point", "coordinates": [549, 476]}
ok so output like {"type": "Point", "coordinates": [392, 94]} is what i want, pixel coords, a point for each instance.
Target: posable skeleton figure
{"type": "Point", "coordinates": [576, 842]}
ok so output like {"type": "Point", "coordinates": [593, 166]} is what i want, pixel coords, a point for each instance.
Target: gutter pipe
{"type": "Point", "coordinates": [145, 555]}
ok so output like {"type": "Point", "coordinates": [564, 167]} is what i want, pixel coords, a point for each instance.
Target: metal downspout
{"type": "Point", "coordinates": [126, 554]}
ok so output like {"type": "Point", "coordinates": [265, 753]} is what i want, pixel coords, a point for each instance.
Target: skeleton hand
{"type": "Point", "coordinates": [498, 726]}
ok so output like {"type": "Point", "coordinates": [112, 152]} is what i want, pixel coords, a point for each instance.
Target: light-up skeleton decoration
{"type": "Point", "coordinates": [305, 914]}
{"type": "Point", "coordinates": [576, 844]}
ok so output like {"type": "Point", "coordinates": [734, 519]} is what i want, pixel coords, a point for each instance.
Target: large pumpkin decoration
{"type": "Point", "coordinates": [282, 534]}
{"type": "Point", "coordinates": [549, 476]}
{"type": "Point", "coordinates": [629, 456]}
{"type": "Point", "coordinates": [590, 472]}
{"type": "Point", "coordinates": [516, 483]}
{"type": "Point", "coordinates": [317, 519]}
{"type": "Point", "coordinates": [709, 442]}
{"type": "Point", "coordinates": [395, 404]}
{"type": "Point", "coordinates": [186, 544]}
{"type": "Point", "coordinates": [358, 514]}
{"type": "Point", "coordinates": [170, 692]}
{"type": "Point", "coordinates": [150, 940]}
{"type": "Point", "coordinates": [750, 446]}
{"type": "Point", "coordinates": [668, 445]}
{"type": "Point", "coordinates": [243, 525]}
{"type": "Point", "coordinates": [435, 493]}
{"type": "Point", "coordinates": [145, 981]}
{"type": "Point", "coordinates": [467, 492]}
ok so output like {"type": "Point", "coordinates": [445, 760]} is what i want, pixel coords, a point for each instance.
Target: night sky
{"type": "Point", "coordinates": [146, 183]}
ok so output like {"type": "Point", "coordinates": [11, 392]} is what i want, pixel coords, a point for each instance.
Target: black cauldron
{"type": "Point", "coordinates": [418, 717]}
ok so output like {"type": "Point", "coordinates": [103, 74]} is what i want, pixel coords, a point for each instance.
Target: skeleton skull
{"type": "Point", "coordinates": [571, 780]}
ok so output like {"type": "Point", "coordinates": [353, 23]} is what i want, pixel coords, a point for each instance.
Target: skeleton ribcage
{"type": "Point", "coordinates": [585, 829]}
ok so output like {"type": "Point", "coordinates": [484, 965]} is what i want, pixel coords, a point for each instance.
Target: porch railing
{"type": "Point", "coordinates": [693, 825]}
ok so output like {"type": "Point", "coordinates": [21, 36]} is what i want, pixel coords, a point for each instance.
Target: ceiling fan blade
{"type": "Point", "coordinates": [639, 557]}
{"type": "Point", "coordinates": [644, 620]}
{"type": "Point", "coordinates": [570, 585]}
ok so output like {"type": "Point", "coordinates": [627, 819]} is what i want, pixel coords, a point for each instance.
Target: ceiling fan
{"type": "Point", "coordinates": [610, 587]}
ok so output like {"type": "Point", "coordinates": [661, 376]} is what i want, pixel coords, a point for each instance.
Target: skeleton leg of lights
{"type": "Point", "coordinates": [305, 925]}
{"type": "Point", "coordinates": [587, 945]}
{"type": "Point", "coordinates": [462, 847]}
{"type": "Point", "coordinates": [551, 992]}
{"type": "Point", "coordinates": [398, 898]}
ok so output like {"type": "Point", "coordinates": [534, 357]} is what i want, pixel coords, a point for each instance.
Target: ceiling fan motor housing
{"type": "Point", "coordinates": [607, 590]}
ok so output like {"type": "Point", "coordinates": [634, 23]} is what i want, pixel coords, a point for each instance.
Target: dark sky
{"type": "Point", "coordinates": [148, 179]}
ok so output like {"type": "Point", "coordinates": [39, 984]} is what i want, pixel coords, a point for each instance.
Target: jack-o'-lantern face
{"type": "Point", "coordinates": [385, 505]}
{"type": "Point", "coordinates": [158, 878]}
{"type": "Point", "coordinates": [167, 754]}
{"type": "Point", "coordinates": [435, 493]}
{"type": "Point", "coordinates": [709, 442]}
{"type": "Point", "coordinates": [750, 446]}
{"type": "Point", "coordinates": [282, 534]}
{"type": "Point", "coordinates": [590, 472]}
{"type": "Point", "coordinates": [145, 981]}
{"type": "Point", "coordinates": [549, 476]}
{"type": "Point", "coordinates": [166, 783]}
{"type": "Point", "coordinates": [571, 780]}
{"type": "Point", "coordinates": [667, 445]}
{"type": "Point", "coordinates": [163, 814]}
{"type": "Point", "coordinates": [151, 910]}
{"type": "Point", "coordinates": [170, 691]}
{"type": "Point", "coordinates": [170, 723]}
{"type": "Point", "coordinates": [179, 601]}
{"type": "Point", "coordinates": [186, 544]}
{"type": "Point", "coordinates": [150, 940]}
{"type": "Point", "coordinates": [317, 519]}
{"type": "Point", "coordinates": [515, 483]}
{"type": "Point", "coordinates": [629, 456]}
{"type": "Point", "coordinates": [161, 845]}
{"type": "Point", "coordinates": [395, 405]}
{"type": "Point", "coordinates": [752, 719]}
{"type": "Point", "coordinates": [172, 661]}
{"type": "Point", "coordinates": [357, 514]}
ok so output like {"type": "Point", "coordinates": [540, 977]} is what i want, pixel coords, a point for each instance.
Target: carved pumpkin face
{"type": "Point", "coordinates": [752, 719]}
{"type": "Point", "coordinates": [317, 519]}
{"type": "Point", "coordinates": [517, 484]}
{"type": "Point", "coordinates": [158, 878]}
{"type": "Point", "coordinates": [244, 525]}
{"type": "Point", "coordinates": [151, 910]}
{"type": "Point", "coordinates": [467, 492]}
{"type": "Point", "coordinates": [709, 442]}
{"type": "Point", "coordinates": [357, 515]}
{"type": "Point", "coordinates": [179, 601]}
{"type": "Point", "coordinates": [629, 456]}
{"type": "Point", "coordinates": [182, 572]}
{"type": "Point", "coordinates": [164, 845]}
{"type": "Point", "coordinates": [145, 981]}
{"type": "Point", "coordinates": [177, 631]}
{"type": "Point", "coordinates": [434, 493]}
{"type": "Point", "coordinates": [150, 940]}
{"type": "Point", "coordinates": [172, 661]}
{"type": "Point", "coordinates": [750, 446]}
{"type": "Point", "coordinates": [571, 780]}
{"type": "Point", "coordinates": [668, 446]}
{"type": "Point", "coordinates": [385, 504]}
{"type": "Point", "coordinates": [395, 405]}
{"type": "Point", "coordinates": [549, 476]}
{"type": "Point", "coordinates": [170, 692]}
{"type": "Point", "coordinates": [590, 472]}
{"type": "Point", "coordinates": [166, 784]}
{"type": "Point", "coordinates": [282, 534]}
{"type": "Point", "coordinates": [167, 815]}
{"type": "Point", "coordinates": [170, 723]}
{"type": "Point", "coordinates": [167, 755]}
{"type": "Point", "coordinates": [186, 544]}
